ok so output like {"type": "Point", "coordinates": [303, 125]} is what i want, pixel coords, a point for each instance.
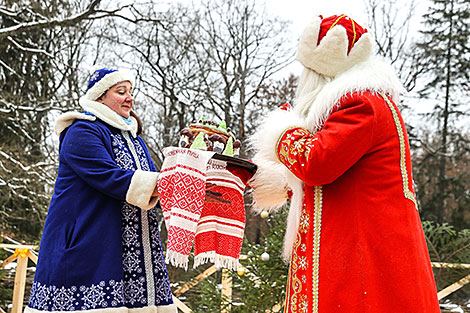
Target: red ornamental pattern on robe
{"type": "Point", "coordinates": [360, 247]}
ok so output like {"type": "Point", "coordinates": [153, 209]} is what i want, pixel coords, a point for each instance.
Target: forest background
{"type": "Point", "coordinates": [225, 60]}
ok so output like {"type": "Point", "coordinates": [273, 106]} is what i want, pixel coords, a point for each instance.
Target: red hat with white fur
{"type": "Point", "coordinates": [333, 45]}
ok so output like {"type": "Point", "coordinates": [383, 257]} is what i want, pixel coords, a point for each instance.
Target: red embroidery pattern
{"type": "Point", "coordinates": [182, 190]}
{"type": "Point", "coordinates": [221, 227]}
{"type": "Point", "coordinates": [186, 192]}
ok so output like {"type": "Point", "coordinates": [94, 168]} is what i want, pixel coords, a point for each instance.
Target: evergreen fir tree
{"type": "Point", "coordinates": [448, 245]}
{"type": "Point", "coordinates": [262, 287]}
{"type": "Point", "coordinates": [445, 55]}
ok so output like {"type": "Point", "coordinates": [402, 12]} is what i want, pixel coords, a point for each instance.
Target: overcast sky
{"type": "Point", "coordinates": [300, 12]}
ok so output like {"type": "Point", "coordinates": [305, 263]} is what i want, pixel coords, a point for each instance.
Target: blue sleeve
{"type": "Point", "coordinates": [87, 150]}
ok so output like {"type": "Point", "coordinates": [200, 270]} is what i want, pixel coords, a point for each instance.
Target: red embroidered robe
{"type": "Point", "coordinates": [360, 247]}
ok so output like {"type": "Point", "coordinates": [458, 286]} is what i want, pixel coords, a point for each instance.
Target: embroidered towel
{"type": "Point", "coordinates": [219, 233]}
{"type": "Point", "coordinates": [182, 190]}
{"type": "Point", "coordinates": [216, 229]}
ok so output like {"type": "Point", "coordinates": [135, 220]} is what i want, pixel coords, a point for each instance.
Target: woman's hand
{"type": "Point", "coordinates": [154, 195]}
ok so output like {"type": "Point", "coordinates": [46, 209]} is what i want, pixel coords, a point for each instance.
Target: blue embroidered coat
{"type": "Point", "coordinates": [101, 246]}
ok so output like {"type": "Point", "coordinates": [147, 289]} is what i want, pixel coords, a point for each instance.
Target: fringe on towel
{"type": "Point", "coordinates": [220, 261]}
{"type": "Point", "coordinates": [177, 259]}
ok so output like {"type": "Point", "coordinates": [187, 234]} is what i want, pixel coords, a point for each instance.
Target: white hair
{"type": "Point", "coordinates": [310, 85]}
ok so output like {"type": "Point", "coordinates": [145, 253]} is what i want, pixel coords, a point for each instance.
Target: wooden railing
{"type": "Point", "coordinates": [22, 253]}
{"type": "Point", "coordinates": [455, 286]}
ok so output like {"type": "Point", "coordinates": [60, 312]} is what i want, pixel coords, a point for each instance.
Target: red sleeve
{"type": "Point", "coordinates": [320, 158]}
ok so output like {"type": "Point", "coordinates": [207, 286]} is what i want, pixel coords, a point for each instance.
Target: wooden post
{"type": "Point", "coordinates": [20, 280]}
{"type": "Point", "coordinates": [226, 291]}
{"type": "Point", "coordinates": [180, 305]}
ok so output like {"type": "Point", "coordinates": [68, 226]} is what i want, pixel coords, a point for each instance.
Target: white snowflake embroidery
{"type": "Point", "coordinates": [63, 299]}
{"type": "Point", "coordinates": [303, 247]}
{"type": "Point", "coordinates": [118, 292]}
{"type": "Point", "coordinates": [129, 213]}
{"type": "Point", "coordinates": [118, 142]}
{"type": "Point", "coordinates": [141, 154]}
{"type": "Point", "coordinates": [131, 262]}
{"type": "Point", "coordinates": [130, 154]}
{"type": "Point", "coordinates": [39, 296]}
{"type": "Point", "coordinates": [123, 156]}
{"type": "Point", "coordinates": [124, 160]}
{"type": "Point", "coordinates": [94, 76]}
{"type": "Point", "coordinates": [93, 296]}
{"type": "Point", "coordinates": [162, 294]}
{"type": "Point", "coordinates": [303, 262]}
{"type": "Point", "coordinates": [304, 221]}
{"type": "Point", "coordinates": [134, 290]}
{"type": "Point", "coordinates": [53, 298]}
{"type": "Point", "coordinates": [158, 265]}
{"type": "Point", "coordinates": [129, 235]}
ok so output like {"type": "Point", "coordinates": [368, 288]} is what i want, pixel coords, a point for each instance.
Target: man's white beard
{"type": "Point", "coordinates": [310, 85]}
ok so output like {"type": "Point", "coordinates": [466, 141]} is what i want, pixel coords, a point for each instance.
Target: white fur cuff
{"type": "Point", "coordinates": [140, 190]}
{"type": "Point", "coordinates": [264, 141]}
{"type": "Point", "coordinates": [269, 185]}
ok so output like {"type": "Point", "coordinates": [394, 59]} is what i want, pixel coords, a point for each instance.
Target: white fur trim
{"type": "Point", "coordinates": [293, 218]}
{"type": "Point", "coordinates": [109, 80]}
{"type": "Point", "coordinates": [269, 185]}
{"type": "Point", "coordinates": [140, 190]}
{"type": "Point", "coordinates": [331, 56]}
{"type": "Point", "coordinates": [108, 116]}
{"type": "Point", "coordinates": [274, 124]}
{"type": "Point", "coordinates": [66, 119]}
{"type": "Point", "coordinates": [374, 75]}
{"type": "Point", "coordinates": [148, 309]}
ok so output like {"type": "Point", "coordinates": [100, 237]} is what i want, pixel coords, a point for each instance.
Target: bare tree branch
{"type": "Point", "coordinates": [47, 23]}
{"type": "Point", "coordinates": [32, 50]}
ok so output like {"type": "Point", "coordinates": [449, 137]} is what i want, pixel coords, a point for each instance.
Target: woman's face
{"type": "Point", "coordinates": [119, 98]}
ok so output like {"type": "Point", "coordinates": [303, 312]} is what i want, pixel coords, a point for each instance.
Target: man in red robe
{"type": "Point", "coordinates": [354, 237]}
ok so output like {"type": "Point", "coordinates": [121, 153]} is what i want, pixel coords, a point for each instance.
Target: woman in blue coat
{"type": "Point", "coordinates": [101, 247]}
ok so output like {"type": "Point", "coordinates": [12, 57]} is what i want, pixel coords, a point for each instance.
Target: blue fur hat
{"type": "Point", "coordinates": [102, 78]}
